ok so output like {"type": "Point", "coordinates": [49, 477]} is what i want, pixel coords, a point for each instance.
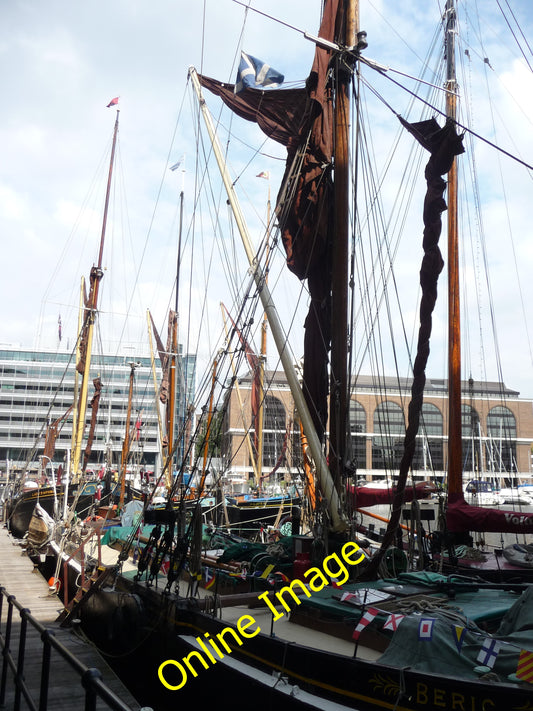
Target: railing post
{"type": "Point", "coordinates": [19, 677]}
{"type": "Point", "coordinates": [87, 680]}
{"type": "Point", "coordinates": [5, 647]}
{"type": "Point", "coordinates": [91, 679]}
{"type": "Point", "coordinates": [45, 670]}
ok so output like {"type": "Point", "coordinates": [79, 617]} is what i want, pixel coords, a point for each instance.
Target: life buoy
{"type": "Point", "coordinates": [54, 584]}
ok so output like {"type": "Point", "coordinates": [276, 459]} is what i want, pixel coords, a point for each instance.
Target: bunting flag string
{"type": "Point", "coordinates": [525, 666]}
{"type": "Point", "coordinates": [425, 628]}
{"type": "Point", "coordinates": [209, 578]}
{"type": "Point", "coordinates": [392, 622]}
{"type": "Point", "coordinates": [488, 652]}
{"type": "Point", "coordinates": [459, 635]}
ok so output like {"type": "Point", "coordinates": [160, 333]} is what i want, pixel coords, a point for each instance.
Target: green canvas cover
{"type": "Point", "coordinates": [442, 652]}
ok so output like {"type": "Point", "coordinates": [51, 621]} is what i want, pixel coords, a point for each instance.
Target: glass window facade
{"type": "Point", "coordinates": [37, 388]}
{"type": "Point", "coordinates": [389, 432]}
{"type": "Point", "coordinates": [501, 440]}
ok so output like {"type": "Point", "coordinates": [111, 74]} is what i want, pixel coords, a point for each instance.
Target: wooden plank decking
{"type": "Point", "coordinates": [19, 578]}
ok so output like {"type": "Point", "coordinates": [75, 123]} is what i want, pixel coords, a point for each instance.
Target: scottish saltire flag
{"type": "Point", "coordinates": [254, 73]}
{"type": "Point", "coordinates": [392, 622]}
{"type": "Point", "coordinates": [488, 652]}
{"type": "Point", "coordinates": [525, 666]}
{"type": "Point", "coordinates": [365, 620]}
{"type": "Point", "coordinates": [425, 628]}
{"type": "Point", "coordinates": [458, 636]}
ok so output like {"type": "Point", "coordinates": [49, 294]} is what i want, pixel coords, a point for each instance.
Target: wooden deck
{"type": "Point", "coordinates": [66, 693]}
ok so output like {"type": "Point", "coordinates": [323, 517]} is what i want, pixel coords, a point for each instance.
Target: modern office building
{"type": "Point", "coordinates": [37, 390]}
{"type": "Point", "coordinates": [497, 430]}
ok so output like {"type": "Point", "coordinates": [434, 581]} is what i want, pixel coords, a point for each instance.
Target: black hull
{"type": "Point", "coordinates": [20, 510]}
{"type": "Point", "coordinates": [144, 629]}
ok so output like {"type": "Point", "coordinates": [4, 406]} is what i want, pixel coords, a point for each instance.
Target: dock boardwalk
{"type": "Point", "coordinates": [66, 692]}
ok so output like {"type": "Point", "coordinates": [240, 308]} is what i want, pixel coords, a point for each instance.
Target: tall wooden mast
{"type": "Point", "coordinates": [454, 315]}
{"type": "Point", "coordinates": [90, 316]}
{"type": "Point", "coordinates": [127, 438]}
{"type": "Point", "coordinates": [262, 358]}
{"type": "Point", "coordinates": [347, 24]}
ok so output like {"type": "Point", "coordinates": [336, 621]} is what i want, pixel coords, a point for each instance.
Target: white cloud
{"type": "Point", "coordinates": [12, 205]}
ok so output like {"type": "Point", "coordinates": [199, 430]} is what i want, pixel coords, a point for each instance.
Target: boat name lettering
{"type": "Point", "coordinates": [187, 663]}
{"type": "Point", "coordinates": [454, 701]}
{"type": "Point", "coordinates": [173, 674]}
{"type": "Point", "coordinates": [521, 520]}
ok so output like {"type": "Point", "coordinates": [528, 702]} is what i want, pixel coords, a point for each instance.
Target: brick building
{"type": "Point", "coordinates": [497, 430]}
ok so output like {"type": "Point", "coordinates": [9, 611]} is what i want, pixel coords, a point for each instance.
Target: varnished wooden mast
{"type": "Point", "coordinates": [96, 276]}
{"type": "Point", "coordinates": [454, 315]}
{"type": "Point", "coordinates": [262, 362]}
{"type": "Point", "coordinates": [349, 20]}
{"type": "Point", "coordinates": [127, 439]}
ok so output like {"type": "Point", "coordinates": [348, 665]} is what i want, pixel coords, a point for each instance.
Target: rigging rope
{"type": "Point", "coordinates": [443, 113]}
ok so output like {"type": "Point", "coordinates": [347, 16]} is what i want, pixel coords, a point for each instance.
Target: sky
{"type": "Point", "coordinates": [62, 62]}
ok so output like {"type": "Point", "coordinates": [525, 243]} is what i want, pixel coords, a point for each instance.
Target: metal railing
{"type": "Point", "coordinates": [89, 678]}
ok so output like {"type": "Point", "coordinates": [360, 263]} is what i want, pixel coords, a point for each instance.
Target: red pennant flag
{"type": "Point", "coordinates": [113, 102]}
{"type": "Point", "coordinates": [365, 620]}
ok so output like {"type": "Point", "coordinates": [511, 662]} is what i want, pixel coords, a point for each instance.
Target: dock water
{"type": "Point", "coordinates": [20, 579]}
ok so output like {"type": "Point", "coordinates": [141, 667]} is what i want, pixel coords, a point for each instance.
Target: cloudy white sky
{"type": "Point", "coordinates": [61, 64]}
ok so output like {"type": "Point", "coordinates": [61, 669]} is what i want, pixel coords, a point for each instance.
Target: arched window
{"type": "Point", "coordinates": [389, 432]}
{"type": "Point", "coordinates": [472, 461]}
{"type": "Point", "coordinates": [274, 426]}
{"type": "Point", "coordinates": [358, 429]}
{"type": "Point", "coordinates": [428, 454]}
{"type": "Point", "coordinates": [501, 443]}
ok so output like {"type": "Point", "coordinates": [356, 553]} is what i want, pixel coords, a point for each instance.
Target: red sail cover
{"type": "Point", "coordinates": [463, 517]}
{"type": "Point", "coordinates": [364, 496]}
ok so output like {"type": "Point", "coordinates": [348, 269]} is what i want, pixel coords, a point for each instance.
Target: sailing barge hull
{"type": "Point", "coordinates": [20, 510]}
{"type": "Point", "coordinates": [268, 669]}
